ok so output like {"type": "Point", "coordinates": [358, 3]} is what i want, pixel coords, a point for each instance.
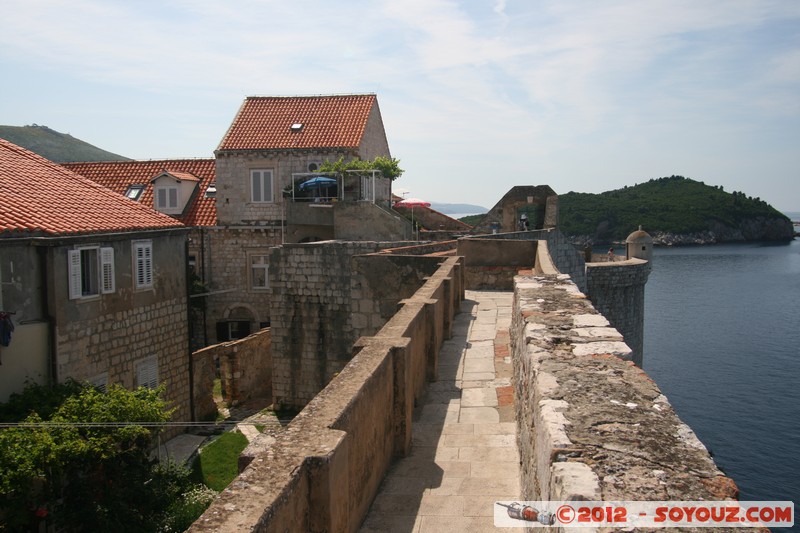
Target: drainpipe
{"type": "Point", "coordinates": [187, 277]}
{"type": "Point", "coordinates": [203, 278]}
{"type": "Point", "coordinates": [45, 303]}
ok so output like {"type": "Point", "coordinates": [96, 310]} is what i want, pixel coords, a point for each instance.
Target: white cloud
{"type": "Point", "coordinates": [492, 83]}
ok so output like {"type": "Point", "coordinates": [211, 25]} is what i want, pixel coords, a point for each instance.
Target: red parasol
{"type": "Point", "coordinates": [412, 202]}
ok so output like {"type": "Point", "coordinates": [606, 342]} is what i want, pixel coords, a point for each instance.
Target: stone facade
{"type": "Point", "coordinates": [237, 294]}
{"type": "Point", "coordinates": [126, 333]}
{"type": "Point", "coordinates": [115, 337]}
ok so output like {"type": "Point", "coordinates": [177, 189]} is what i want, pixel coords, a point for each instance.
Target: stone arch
{"type": "Point", "coordinates": [238, 321]}
{"type": "Point", "coordinates": [240, 311]}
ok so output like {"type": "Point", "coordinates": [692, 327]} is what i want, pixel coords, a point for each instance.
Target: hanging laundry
{"type": "Point", "coordinates": [6, 328]}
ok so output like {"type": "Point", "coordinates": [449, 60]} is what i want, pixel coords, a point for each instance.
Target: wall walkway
{"type": "Point", "coordinates": [463, 447]}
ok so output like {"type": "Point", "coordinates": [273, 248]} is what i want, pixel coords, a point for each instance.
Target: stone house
{"type": "Point", "coordinates": [94, 283]}
{"type": "Point", "coordinates": [184, 189]}
{"type": "Point", "coordinates": [273, 147]}
{"type": "Point", "coordinates": [251, 197]}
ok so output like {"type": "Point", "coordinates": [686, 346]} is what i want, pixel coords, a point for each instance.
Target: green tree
{"type": "Point", "coordinates": [88, 467]}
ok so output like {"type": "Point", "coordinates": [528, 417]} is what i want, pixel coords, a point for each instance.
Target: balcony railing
{"type": "Point", "coordinates": [328, 187]}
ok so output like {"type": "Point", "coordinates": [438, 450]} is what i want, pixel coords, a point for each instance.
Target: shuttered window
{"type": "Point", "coordinates": [107, 270]}
{"type": "Point", "coordinates": [147, 373]}
{"type": "Point", "coordinates": [261, 186]}
{"type": "Point", "coordinates": [90, 271]}
{"type": "Point", "coordinates": [166, 197]}
{"type": "Point", "coordinates": [143, 264]}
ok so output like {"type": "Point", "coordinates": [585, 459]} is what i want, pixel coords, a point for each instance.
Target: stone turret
{"type": "Point", "coordinates": [639, 244]}
{"type": "Point", "coordinates": [617, 290]}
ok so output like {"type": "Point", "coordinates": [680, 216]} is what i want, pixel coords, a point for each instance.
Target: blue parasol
{"type": "Point", "coordinates": [317, 182]}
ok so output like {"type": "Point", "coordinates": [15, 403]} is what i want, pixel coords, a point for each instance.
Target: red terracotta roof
{"type": "Point", "coordinates": [119, 175]}
{"type": "Point", "coordinates": [183, 176]}
{"type": "Point", "coordinates": [265, 122]}
{"type": "Point", "coordinates": [41, 198]}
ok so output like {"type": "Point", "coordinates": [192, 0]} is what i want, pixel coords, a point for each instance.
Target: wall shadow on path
{"type": "Point", "coordinates": [402, 494]}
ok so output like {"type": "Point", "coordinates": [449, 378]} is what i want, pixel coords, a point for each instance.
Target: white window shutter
{"type": "Point", "coordinates": [107, 270]}
{"type": "Point", "coordinates": [255, 179]}
{"type": "Point", "coordinates": [267, 186]}
{"type": "Point", "coordinates": [144, 264]}
{"type": "Point", "coordinates": [173, 198]}
{"type": "Point", "coordinates": [74, 270]}
{"type": "Point", "coordinates": [147, 373]}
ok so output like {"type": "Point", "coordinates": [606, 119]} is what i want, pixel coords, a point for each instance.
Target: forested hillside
{"type": "Point", "coordinates": [55, 146]}
{"type": "Point", "coordinates": [673, 205]}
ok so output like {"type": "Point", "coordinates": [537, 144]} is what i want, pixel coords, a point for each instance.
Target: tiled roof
{"type": "Point", "coordinates": [183, 176]}
{"type": "Point", "coordinates": [119, 175]}
{"type": "Point", "coordinates": [41, 198]}
{"type": "Point", "coordinates": [265, 122]}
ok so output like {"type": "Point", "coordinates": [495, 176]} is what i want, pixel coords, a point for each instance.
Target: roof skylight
{"type": "Point", "coordinates": [134, 192]}
{"type": "Point", "coordinates": [297, 126]}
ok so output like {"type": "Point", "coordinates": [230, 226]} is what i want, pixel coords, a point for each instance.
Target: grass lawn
{"type": "Point", "coordinates": [216, 466]}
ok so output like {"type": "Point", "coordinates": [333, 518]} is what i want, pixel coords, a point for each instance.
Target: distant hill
{"type": "Point", "coordinates": [55, 146]}
{"type": "Point", "coordinates": [456, 209]}
{"type": "Point", "coordinates": [677, 208]}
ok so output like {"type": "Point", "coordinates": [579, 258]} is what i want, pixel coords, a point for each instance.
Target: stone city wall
{"type": "Point", "coordinates": [245, 370]}
{"type": "Point", "coordinates": [447, 247]}
{"type": "Point", "coordinates": [563, 255]}
{"type": "Point", "coordinates": [356, 221]}
{"type": "Point", "coordinates": [323, 471]}
{"type": "Point", "coordinates": [312, 328]}
{"type": "Point", "coordinates": [491, 264]}
{"type": "Point", "coordinates": [591, 425]}
{"type": "Point", "coordinates": [616, 289]}
{"type": "Point", "coordinates": [325, 295]}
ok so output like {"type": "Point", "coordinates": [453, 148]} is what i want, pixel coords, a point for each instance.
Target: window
{"type": "Point", "coordinates": [100, 382]}
{"type": "Point", "coordinates": [147, 373]}
{"type": "Point", "coordinates": [259, 271]}
{"type": "Point", "coordinates": [261, 186]}
{"type": "Point", "coordinates": [134, 192]}
{"type": "Point", "coordinates": [143, 264]}
{"type": "Point", "coordinates": [211, 190]}
{"type": "Point", "coordinates": [166, 198]}
{"type": "Point", "coordinates": [90, 271]}
{"type": "Point", "coordinates": [232, 329]}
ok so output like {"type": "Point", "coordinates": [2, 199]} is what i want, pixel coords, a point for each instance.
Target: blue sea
{"type": "Point", "coordinates": [722, 340]}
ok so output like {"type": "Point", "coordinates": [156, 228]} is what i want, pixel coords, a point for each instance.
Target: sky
{"type": "Point", "coordinates": [476, 96]}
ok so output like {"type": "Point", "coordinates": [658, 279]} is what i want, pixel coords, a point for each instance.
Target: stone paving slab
{"type": "Point", "coordinates": [463, 454]}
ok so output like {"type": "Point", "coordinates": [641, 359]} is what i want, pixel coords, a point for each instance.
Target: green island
{"type": "Point", "coordinates": [674, 210]}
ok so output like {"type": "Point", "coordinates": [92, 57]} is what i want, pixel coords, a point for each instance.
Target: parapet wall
{"type": "Point", "coordinates": [324, 297]}
{"type": "Point", "coordinates": [591, 425]}
{"type": "Point", "coordinates": [245, 368]}
{"type": "Point", "coordinates": [323, 471]}
{"type": "Point", "coordinates": [562, 255]}
{"type": "Point", "coordinates": [617, 290]}
{"type": "Point", "coordinates": [312, 328]}
{"type": "Point", "coordinates": [491, 264]}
